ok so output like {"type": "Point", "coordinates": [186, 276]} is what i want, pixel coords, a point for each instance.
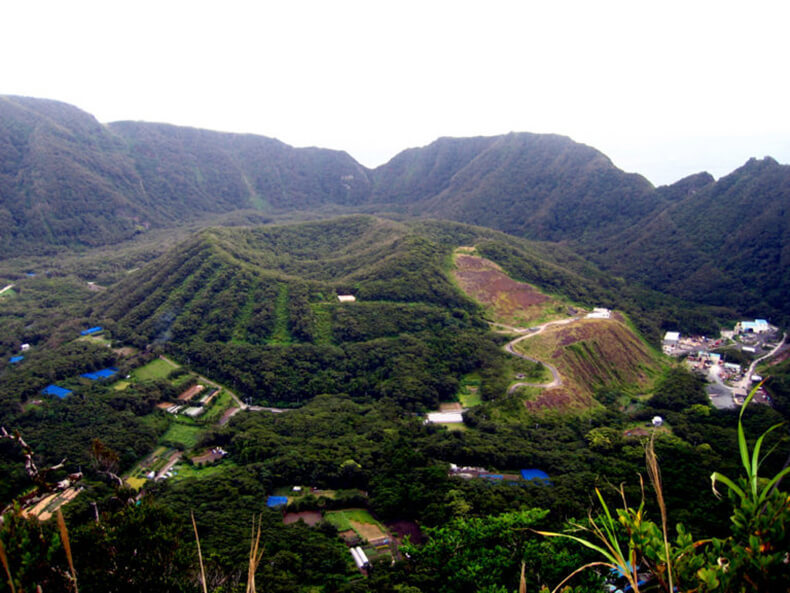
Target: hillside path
{"type": "Point", "coordinates": [509, 348]}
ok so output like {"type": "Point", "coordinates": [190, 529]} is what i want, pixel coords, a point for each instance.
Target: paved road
{"type": "Point", "coordinates": [509, 347]}
{"type": "Point", "coordinates": [747, 378]}
{"type": "Point", "coordinates": [721, 393]}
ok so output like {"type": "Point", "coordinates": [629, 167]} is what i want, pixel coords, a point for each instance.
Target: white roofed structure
{"type": "Point", "coordinates": [445, 417]}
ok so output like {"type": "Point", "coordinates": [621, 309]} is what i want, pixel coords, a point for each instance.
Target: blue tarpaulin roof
{"type": "Point", "coordinates": [15, 359]}
{"type": "Point", "coordinates": [60, 392]}
{"type": "Point", "coordinates": [534, 474]}
{"type": "Point", "coordinates": [276, 501]}
{"type": "Point", "coordinates": [92, 330]}
{"type": "Point", "coordinates": [493, 476]}
{"type": "Point", "coordinates": [102, 374]}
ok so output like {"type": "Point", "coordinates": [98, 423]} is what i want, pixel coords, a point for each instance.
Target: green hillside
{"type": "Point", "coordinates": [724, 242]}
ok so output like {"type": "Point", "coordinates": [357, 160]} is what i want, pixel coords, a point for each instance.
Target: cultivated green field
{"type": "Point", "coordinates": [183, 434]}
{"type": "Point", "coordinates": [156, 369]}
{"type": "Point", "coordinates": [342, 519]}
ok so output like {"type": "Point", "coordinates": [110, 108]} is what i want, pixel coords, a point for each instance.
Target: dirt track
{"type": "Point", "coordinates": [509, 347]}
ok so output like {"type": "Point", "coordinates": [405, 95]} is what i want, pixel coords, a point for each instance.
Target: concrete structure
{"type": "Point", "coordinates": [599, 313]}
{"type": "Point", "coordinates": [346, 298]}
{"type": "Point", "coordinates": [657, 421]}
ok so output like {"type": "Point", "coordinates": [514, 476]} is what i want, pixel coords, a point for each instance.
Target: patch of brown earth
{"type": "Point", "coordinates": [190, 393]}
{"type": "Point", "coordinates": [400, 529]}
{"type": "Point", "coordinates": [557, 398]}
{"type": "Point", "coordinates": [450, 407]}
{"type": "Point", "coordinates": [311, 518]}
{"type": "Point", "coordinates": [485, 281]}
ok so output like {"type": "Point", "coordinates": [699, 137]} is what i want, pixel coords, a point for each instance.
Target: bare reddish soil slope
{"type": "Point", "coordinates": [484, 281]}
{"type": "Point", "coordinates": [589, 354]}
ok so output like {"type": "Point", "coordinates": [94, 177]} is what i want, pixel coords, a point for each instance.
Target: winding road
{"type": "Point", "coordinates": [509, 348]}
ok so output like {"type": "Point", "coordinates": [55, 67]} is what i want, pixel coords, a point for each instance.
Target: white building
{"type": "Point", "coordinates": [445, 417]}
{"type": "Point", "coordinates": [671, 338]}
{"type": "Point", "coordinates": [346, 298]}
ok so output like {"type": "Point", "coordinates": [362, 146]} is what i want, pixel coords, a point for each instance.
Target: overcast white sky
{"type": "Point", "coordinates": [664, 88]}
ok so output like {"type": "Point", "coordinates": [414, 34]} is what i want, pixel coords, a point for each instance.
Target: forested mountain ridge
{"type": "Point", "coordinates": [725, 241]}
{"type": "Point", "coordinates": [66, 180]}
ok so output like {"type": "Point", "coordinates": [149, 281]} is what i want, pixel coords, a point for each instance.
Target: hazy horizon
{"type": "Point", "coordinates": [664, 90]}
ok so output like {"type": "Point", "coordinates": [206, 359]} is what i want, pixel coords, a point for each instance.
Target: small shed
{"type": "Point", "coordinates": [657, 421]}
{"type": "Point", "coordinates": [346, 298]}
{"type": "Point", "coordinates": [16, 359]}
{"type": "Point", "coordinates": [24, 347]}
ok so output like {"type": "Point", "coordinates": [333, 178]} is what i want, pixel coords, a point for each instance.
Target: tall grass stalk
{"type": "Point", "coordinates": [654, 472]}
{"type": "Point", "coordinates": [200, 554]}
{"type": "Point", "coordinates": [64, 538]}
{"type": "Point", "coordinates": [4, 561]}
{"type": "Point", "coordinates": [256, 553]}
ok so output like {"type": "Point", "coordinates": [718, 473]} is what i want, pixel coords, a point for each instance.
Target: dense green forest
{"type": "Point", "coordinates": [323, 403]}
{"type": "Point", "coordinates": [256, 310]}
{"type": "Point", "coordinates": [68, 182]}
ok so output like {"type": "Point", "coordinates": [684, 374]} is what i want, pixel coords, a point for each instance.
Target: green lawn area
{"type": "Point", "coordinates": [342, 519]}
{"type": "Point", "coordinates": [121, 385]}
{"type": "Point", "coordinates": [98, 340]}
{"type": "Point", "coordinates": [469, 393]}
{"type": "Point", "coordinates": [183, 434]}
{"type": "Point", "coordinates": [453, 426]}
{"type": "Point", "coordinates": [156, 369]}
{"type": "Point", "coordinates": [191, 471]}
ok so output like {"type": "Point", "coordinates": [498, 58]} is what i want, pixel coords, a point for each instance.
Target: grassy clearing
{"type": "Point", "coordinates": [323, 323]}
{"type": "Point", "coordinates": [182, 434]}
{"type": "Point", "coordinates": [156, 369]}
{"type": "Point", "coordinates": [454, 426]}
{"type": "Point", "coordinates": [342, 519]}
{"type": "Point", "coordinates": [185, 471]}
{"type": "Point", "coordinates": [240, 330]}
{"type": "Point", "coordinates": [532, 372]}
{"type": "Point", "coordinates": [281, 335]}
{"type": "Point", "coordinates": [469, 393]}
{"type": "Point", "coordinates": [136, 483]}
{"type": "Point", "coordinates": [98, 340]}
{"type": "Point", "coordinates": [121, 385]}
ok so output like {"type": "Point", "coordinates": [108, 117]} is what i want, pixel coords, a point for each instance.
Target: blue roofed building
{"type": "Point", "coordinates": [276, 501]}
{"type": "Point", "coordinates": [92, 330]}
{"type": "Point", "coordinates": [102, 374]}
{"type": "Point", "coordinates": [16, 359]}
{"type": "Point", "coordinates": [535, 474]}
{"type": "Point", "coordinates": [60, 392]}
